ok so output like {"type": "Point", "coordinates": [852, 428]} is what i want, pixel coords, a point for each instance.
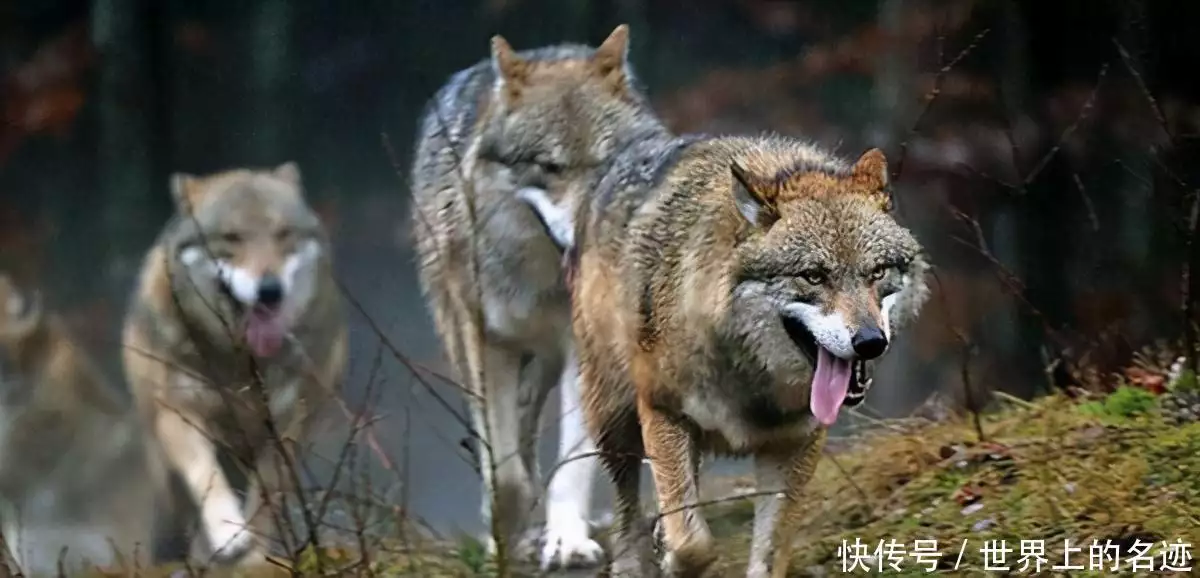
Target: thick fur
{"type": "Point", "coordinates": [688, 260]}
{"type": "Point", "coordinates": [187, 356]}
{"type": "Point", "coordinates": [519, 128]}
{"type": "Point", "coordinates": [80, 481]}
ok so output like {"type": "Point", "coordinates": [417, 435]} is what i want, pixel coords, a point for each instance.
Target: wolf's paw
{"type": "Point", "coordinates": [568, 545]}
{"type": "Point", "coordinates": [231, 542]}
{"type": "Point", "coordinates": [690, 563]}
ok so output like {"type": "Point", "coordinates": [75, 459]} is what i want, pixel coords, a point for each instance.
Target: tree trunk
{"type": "Point", "coordinates": [269, 109]}
{"type": "Point", "coordinates": [126, 115]}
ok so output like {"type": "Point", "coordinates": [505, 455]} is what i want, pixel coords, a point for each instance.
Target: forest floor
{"type": "Point", "coordinates": [918, 497]}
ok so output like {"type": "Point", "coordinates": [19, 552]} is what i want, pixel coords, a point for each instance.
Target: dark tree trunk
{"type": "Point", "coordinates": [127, 118]}
{"type": "Point", "coordinates": [269, 116]}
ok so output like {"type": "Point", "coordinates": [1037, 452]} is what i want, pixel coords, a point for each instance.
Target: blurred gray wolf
{"type": "Point", "coordinates": [517, 128]}
{"type": "Point", "coordinates": [728, 295]}
{"type": "Point", "coordinates": [77, 468]}
{"type": "Point", "coordinates": [236, 316]}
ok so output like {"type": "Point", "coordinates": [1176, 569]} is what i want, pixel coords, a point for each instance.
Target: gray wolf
{"type": "Point", "coordinates": [81, 482]}
{"type": "Point", "coordinates": [235, 317]}
{"type": "Point", "coordinates": [519, 126]}
{"type": "Point", "coordinates": [728, 294]}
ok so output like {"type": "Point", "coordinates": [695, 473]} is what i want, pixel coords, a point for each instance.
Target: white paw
{"type": "Point", "coordinates": [568, 545]}
{"type": "Point", "coordinates": [230, 539]}
{"type": "Point", "coordinates": [758, 569]}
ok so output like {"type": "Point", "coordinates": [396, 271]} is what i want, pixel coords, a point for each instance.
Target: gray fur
{"type": "Point", "coordinates": [77, 468]}
{"type": "Point", "coordinates": [491, 275]}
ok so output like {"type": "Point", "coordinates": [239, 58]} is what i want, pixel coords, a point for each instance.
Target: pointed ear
{"type": "Point", "coordinates": [754, 200]}
{"type": "Point", "coordinates": [22, 313]}
{"type": "Point", "coordinates": [611, 59]}
{"type": "Point", "coordinates": [289, 172]}
{"type": "Point", "coordinates": [185, 190]}
{"type": "Point", "coordinates": [870, 173]}
{"type": "Point", "coordinates": [509, 68]}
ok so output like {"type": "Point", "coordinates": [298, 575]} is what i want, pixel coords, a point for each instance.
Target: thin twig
{"type": "Point", "coordinates": [1141, 82]}
{"type": "Point", "coordinates": [938, 81]}
{"type": "Point", "coordinates": [1084, 113]}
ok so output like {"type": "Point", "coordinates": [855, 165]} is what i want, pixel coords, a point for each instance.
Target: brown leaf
{"type": "Point", "coordinates": [967, 495]}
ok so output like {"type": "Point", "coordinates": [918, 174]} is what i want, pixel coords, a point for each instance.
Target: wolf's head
{"type": "Point", "coordinates": [824, 251]}
{"type": "Point", "coordinates": [251, 248]}
{"type": "Point", "coordinates": [557, 113]}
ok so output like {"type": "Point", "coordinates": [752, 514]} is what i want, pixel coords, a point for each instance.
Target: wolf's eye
{"type": "Point", "coordinates": [231, 237]}
{"type": "Point", "coordinates": [813, 277]}
{"type": "Point", "coordinates": [283, 234]}
{"type": "Point", "coordinates": [879, 272]}
{"type": "Point", "coordinates": [553, 168]}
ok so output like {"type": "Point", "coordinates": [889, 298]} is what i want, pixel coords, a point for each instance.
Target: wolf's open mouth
{"type": "Point", "coordinates": [860, 382]}
{"type": "Point", "coordinates": [802, 337]}
{"type": "Point", "coordinates": [265, 331]}
{"type": "Point", "coordinates": [860, 374]}
{"type": "Point", "coordinates": [264, 328]}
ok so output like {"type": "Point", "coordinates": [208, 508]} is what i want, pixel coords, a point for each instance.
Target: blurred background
{"type": "Point", "coordinates": [1044, 152]}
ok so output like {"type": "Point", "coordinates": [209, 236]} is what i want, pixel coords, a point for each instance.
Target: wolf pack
{"type": "Point", "coordinates": [689, 295]}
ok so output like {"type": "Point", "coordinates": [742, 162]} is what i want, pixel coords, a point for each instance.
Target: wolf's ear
{"type": "Point", "coordinates": [509, 68]}
{"type": "Point", "coordinates": [611, 59]}
{"type": "Point", "coordinates": [755, 200]}
{"type": "Point", "coordinates": [185, 190]}
{"type": "Point", "coordinates": [22, 313]}
{"type": "Point", "coordinates": [870, 174]}
{"type": "Point", "coordinates": [288, 172]}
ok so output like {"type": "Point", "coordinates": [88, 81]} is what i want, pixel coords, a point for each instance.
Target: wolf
{"type": "Point", "coordinates": [519, 126]}
{"type": "Point", "coordinates": [729, 295]}
{"type": "Point", "coordinates": [236, 317]}
{"type": "Point", "coordinates": [81, 482]}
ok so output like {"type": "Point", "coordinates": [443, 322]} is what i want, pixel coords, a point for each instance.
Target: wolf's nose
{"type": "Point", "coordinates": [270, 291]}
{"type": "Point", "coordinates": [869, 343]}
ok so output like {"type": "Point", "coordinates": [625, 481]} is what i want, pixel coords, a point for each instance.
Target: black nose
{"type": "Point", "coordinates": [869, 343]}
{"type": "Point", "coordinates": [270, 291]}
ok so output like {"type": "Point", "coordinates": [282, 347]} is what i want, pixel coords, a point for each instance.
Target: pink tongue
{"type": "Point", "coordinates": [264, 333]}
{"type": "Point", "coordinates": [830, 382]}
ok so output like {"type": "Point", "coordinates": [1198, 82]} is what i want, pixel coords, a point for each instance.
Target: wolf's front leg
{"type": "Point", "coordinates": [776, 515]}
{"type": "Point", "coordinates": [568, 542]}
{"type": "Point", "coordinates": [672, 455]}
{"type": "Point", "coordinates": [271, 496]}
{"type": "Point", "coordinates": [194, 456]}
{"type": "Point", "coordinates": [507, 485]}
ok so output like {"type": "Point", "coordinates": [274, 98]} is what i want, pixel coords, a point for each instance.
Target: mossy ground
{"type": "Point", "coordinates": [1050, 470]}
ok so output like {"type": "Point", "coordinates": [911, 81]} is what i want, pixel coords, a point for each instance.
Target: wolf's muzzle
{"type": "Point", "coordinates": [869, 342]}
{"type": "Point", "coordinates": [270, 291]}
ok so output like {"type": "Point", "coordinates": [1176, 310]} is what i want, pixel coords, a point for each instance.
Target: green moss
{"type": "Point", "coordinates": [1050, 471]}
{"type": "Point", "coordinates": [1126, 402]}
{"type": "Point", "coordinates": [1186, 382]}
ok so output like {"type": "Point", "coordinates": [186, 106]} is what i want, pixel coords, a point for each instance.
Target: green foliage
{"type": "Point", "coordinates": [1047, 470]}
{"type": "Point", "coordinates": [1186, 383]}
{"type": "Point", "coordinates": [1124, 403]}
{"type": "Point", "coordinates": [472, 554]}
